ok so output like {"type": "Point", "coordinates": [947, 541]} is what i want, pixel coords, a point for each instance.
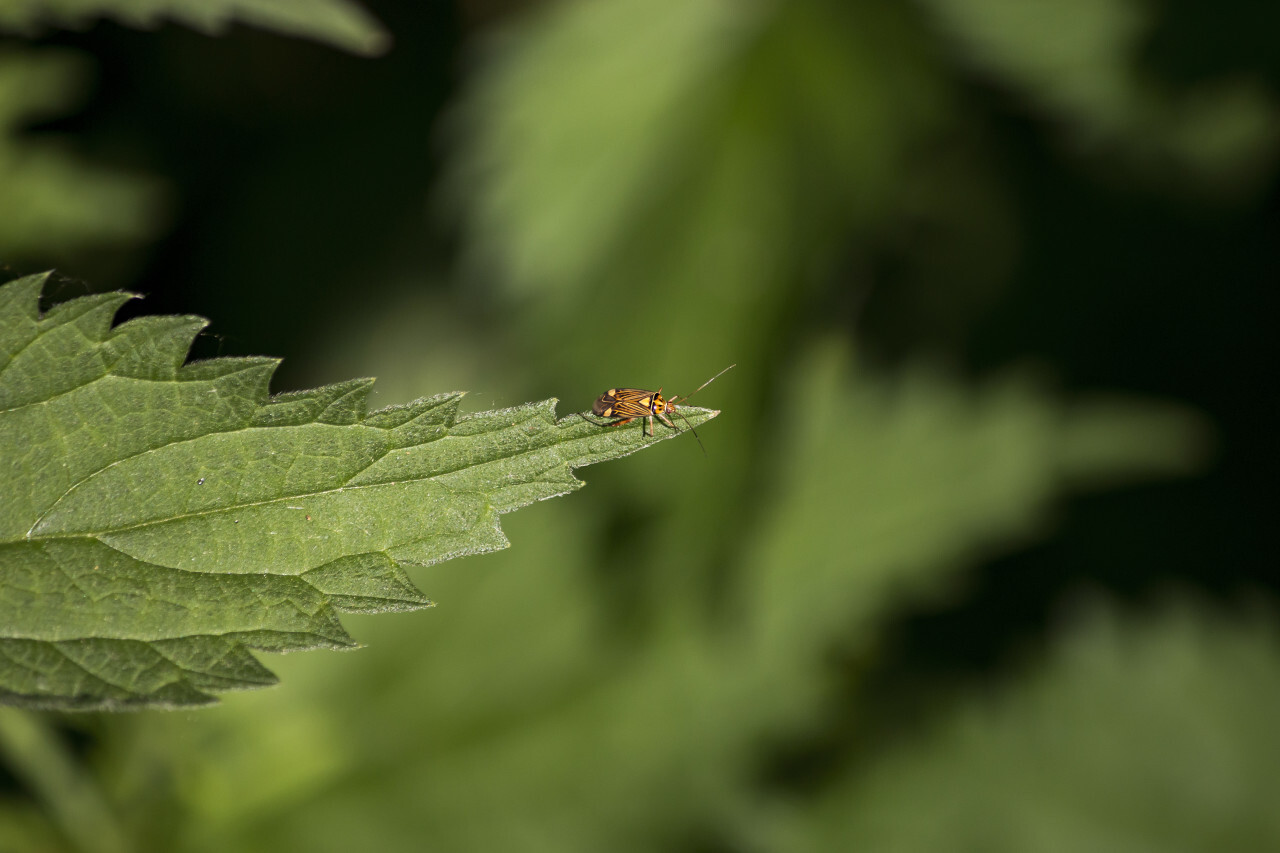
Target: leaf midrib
{"type": "Point", "coordinates": [32, 536]}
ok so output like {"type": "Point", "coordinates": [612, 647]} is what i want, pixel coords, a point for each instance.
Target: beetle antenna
{"type": "Point", "coordinates": [703, 385]}
{"type": "Point", "coordinates": [690, 423]}
{"type": "Point", "coordinates": [682, 400]}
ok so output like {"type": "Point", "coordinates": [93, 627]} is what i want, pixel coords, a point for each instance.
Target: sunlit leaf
{"type": "Point", "coordinates": [157, 520]}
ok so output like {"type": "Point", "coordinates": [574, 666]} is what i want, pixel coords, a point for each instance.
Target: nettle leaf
{"type": "Point", "coordinates": [159, 519]}
{"type": "Point", "coordinates": [341, 23]}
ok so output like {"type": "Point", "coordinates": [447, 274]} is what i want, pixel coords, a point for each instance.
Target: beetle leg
{"type": "Point", "coordinates": [618, 422]}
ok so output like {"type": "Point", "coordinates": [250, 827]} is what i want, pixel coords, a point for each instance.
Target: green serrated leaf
{"type": "Point", "coordinates": [158, 519]}
{"type": "Point", "coordinates": [340, 23]}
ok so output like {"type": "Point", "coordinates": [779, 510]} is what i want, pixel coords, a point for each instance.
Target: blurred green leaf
{"type": "Point", "coordinates": [1079, 62]}
{"type": "Point", "coordinates": [24, 828]}
{"type": "Point", "coordinates": [49, 199]}
{"type": "Point", "coordinates": [159, 519]}
{"type": "Point", "coordinates": [734, 134]}
{"type": "Point", "coordinates": [341, 23]}
{"type": "Point", "coordinates": [1139, 735]}
{"type": "Point", "coordinates": [891, 487]}
{"type": "Point", "coordinates": [39, 759]}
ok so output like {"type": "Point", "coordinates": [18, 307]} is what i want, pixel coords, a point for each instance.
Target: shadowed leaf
{"type": "Point", "coordinates": [341, 23]}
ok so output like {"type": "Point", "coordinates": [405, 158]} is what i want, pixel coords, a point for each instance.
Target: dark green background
{"type": "Point", "coordinates": [997, 232]}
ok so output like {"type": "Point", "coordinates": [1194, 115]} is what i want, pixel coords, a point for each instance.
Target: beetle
{"type": "Point", "coordinates": [627, 404]}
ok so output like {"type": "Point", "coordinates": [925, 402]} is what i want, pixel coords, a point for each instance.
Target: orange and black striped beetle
{"type": "Point", "coordinates": [627, 404]}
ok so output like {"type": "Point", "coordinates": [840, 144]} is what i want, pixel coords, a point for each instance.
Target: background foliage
{"type": "Point", "coordinates": [980, 554]}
